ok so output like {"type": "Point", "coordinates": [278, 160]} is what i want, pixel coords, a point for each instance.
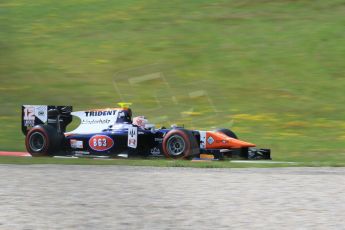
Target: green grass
{"type": "Point", "coordinates": [273, 70]}
{"type": "Point", "coordinates": [161, 163]}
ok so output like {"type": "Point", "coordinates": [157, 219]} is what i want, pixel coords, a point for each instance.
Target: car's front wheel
{"type": "Point", "coordinates": [227, 153]}
{"type": "Point", "coordinates": [179, 144]}
{"type": "Point", "coordinates": [227, 132]}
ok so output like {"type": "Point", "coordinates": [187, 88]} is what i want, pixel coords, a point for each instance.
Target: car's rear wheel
{"type": "Point", "coordinates": [179, 144]}
{"type": "Point", "coordinates": [37, 141]}
{"type": "Point", "coordinates": [43, 140]}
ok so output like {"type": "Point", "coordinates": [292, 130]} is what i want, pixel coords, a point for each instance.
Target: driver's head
{"type": "Point", "coordinates": [140, 121]}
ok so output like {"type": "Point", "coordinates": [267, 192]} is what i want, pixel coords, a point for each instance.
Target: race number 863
{"type": "Point", "coordinates": [100, 142]}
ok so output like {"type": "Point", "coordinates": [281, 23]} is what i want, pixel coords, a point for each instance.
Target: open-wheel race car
{"type": "Point", "coordinates": [112, 132]}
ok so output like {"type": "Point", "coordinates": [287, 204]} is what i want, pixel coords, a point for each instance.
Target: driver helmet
{"type": "Point", "coordinates": [140, 121]}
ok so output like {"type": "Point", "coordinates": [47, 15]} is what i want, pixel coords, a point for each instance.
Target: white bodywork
{"type": "Point", "coordinates": [202, 139]}
{"type": "Point", "coordinates": [94, 121]}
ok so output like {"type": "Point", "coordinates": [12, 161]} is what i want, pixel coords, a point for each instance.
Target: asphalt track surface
{"type": "Point", "coordinates": [121, 197]}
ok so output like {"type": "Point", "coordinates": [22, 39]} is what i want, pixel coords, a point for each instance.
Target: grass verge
{"type": "Point", "coordinates": [160, 163]}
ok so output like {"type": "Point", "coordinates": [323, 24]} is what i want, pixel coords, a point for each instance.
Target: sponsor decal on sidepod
{"type": "Point", "coordinates": [155, 151]}
{"type": "Point", "coordinates": [76, 144]}
{"type": "Point", "coordinates": [101, 142]}
{"type": "Point", "coordinates": [132, 137]}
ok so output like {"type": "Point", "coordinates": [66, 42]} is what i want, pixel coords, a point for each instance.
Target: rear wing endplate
{"type": "Point", "coordinates": [56, 116]}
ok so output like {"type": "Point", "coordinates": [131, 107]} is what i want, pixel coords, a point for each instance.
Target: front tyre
{"type": "Point", "coordinates": [227, 132]}
{"type": "Point", "coordinates": [227, 154]}
{"type": "Point", "coordinates": [179, 144]}
{"type": "Point", "coordinates": [43, 140]}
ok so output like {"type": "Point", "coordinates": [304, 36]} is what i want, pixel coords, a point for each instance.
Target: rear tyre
{"type": "Point", "coordinates": [43, 140]}
{"type": "Point", "coordinates": [227, 132]}
{"type": "Point", "coordinates": [180, 144]}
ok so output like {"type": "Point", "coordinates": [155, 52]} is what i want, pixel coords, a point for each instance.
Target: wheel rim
{"type": "Point", "coordinates": [37, 141]}
{"type": "Point", "coordinates": [176, 145]}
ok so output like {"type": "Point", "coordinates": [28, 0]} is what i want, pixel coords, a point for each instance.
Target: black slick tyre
{"type": "Point", "coordinates": [180, 144]}
{"type": "Point", "coordinates": [231, 134]}
{"type": "Point", "coordinates": [43, 140]}
{"type": "Point", "coordinates": [227, 132]}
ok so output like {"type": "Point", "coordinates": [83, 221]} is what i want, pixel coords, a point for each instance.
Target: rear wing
{"type": "Point", "coordinates": [56, 116]}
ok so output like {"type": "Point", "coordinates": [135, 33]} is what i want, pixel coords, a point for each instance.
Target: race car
{"type": "Point", "coordinates": [112, 132]}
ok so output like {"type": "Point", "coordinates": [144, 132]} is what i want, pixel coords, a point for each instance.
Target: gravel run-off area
{"type": "Point", "coordinates": [121, 197]}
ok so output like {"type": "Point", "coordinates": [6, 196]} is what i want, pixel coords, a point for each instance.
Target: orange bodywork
{"type": "Point", "coordinates": [218, 140]}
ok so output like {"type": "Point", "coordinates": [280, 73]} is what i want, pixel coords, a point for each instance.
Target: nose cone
{"type": "Point", "coordinates": [217, 140]}
{"type": "Point", "coordinates": [236, 144]}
